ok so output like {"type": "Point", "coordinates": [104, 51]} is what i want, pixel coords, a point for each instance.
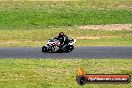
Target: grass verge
{"type": "Point", "coordinates": [39, 37]}
{"type": "Point", "coordinates": [58, 73]}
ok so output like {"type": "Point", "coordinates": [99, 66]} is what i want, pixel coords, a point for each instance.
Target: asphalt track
{"type": "Point", "coordinates": [78, 52]}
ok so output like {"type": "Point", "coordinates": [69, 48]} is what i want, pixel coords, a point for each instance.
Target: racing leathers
{"type": "Point", "coordinates": [64, 40]}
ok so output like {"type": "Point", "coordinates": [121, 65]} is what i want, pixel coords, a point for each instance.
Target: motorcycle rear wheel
{"type": "Point", "coordinates": [44, 49]}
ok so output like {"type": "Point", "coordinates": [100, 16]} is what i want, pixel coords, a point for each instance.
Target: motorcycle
{"type": "Point", "coordinates": [54, 46]}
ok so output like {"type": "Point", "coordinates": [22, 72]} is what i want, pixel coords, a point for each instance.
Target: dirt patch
{"type": "Point", "coordinates": [9, 42]}
{"type": "Point", "coordinates": [92, 37]}
{"type": "Point", "coordinates": [16, 42]}
{"type": "Point", "coordinates": [108, 27]}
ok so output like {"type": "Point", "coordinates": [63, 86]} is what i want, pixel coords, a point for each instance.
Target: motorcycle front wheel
{"type": "Point", "coordinates": [69, 48]}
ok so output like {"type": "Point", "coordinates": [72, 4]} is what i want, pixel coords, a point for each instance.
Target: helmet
{"type": "Point", "coordinates": [61, 33]}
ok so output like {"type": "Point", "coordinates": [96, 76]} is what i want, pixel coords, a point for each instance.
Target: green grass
{"type": "Point", "coordinates": [57, 73]}
{"type": "Point", "coordinates": [17, 15]}
{"type": "Point", "coordinates": [39, 37]}
{"type": "Point", "coordinates": [62, 17]}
